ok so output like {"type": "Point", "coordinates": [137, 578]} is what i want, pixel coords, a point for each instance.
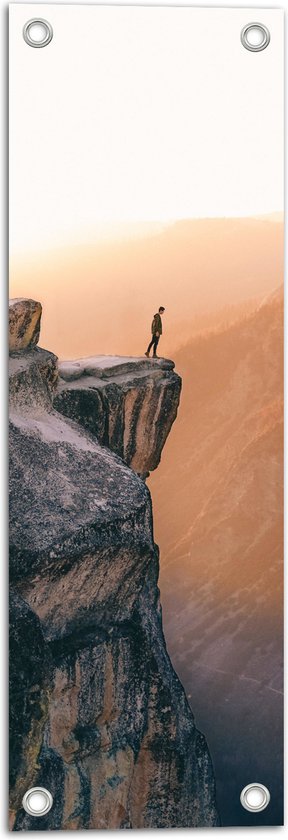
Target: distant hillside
{"type": "Point", "coordinates": [218, 520]}
{"type": "Point", "coordinates": [100, 298]}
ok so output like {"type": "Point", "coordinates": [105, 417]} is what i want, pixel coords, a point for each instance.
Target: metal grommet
{"type": "Point", "coordinates": [255, 37]}
{"type": "Point", "coordinates": [40, 29]}
{"type": "Point", "coordinates": [255, 797]}
{"type": "Point", "coordinates": [37, 801]}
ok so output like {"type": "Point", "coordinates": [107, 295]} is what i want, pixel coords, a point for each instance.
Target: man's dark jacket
{"type": "Point", "coordinates": [156, 324]}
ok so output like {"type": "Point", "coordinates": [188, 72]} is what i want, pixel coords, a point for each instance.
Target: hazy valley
{"type": "Point", "coordinates": [218, 518]}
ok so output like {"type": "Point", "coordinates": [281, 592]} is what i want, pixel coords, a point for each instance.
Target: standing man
{"type": "Point", "coordinates": [156, 330]}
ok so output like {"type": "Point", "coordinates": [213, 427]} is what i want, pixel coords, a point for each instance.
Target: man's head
{"type": "Point", "coordinates": [161, 310]}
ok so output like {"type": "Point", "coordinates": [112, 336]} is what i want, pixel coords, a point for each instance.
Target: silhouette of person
{"type": "Point", "coordinates": [156, 330]}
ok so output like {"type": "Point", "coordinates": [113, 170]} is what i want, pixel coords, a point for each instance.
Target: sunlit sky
{"type": "Point", "coordinates": [138, 114]}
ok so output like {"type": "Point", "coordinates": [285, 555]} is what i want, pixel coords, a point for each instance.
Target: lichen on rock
{"type": "Point", "coordinates": [116, 743]}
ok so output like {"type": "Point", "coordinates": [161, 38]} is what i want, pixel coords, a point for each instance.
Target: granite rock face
{"type": "Point", "coordinates": [129, 404]}
{"type": "Point", "coordinates": [28, 689]}
{"type": "Point", "coordinates": [99, 717]}
{"type": "Point", "coordinates": [24, 323]}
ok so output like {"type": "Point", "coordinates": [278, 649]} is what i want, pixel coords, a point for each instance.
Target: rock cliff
{"type": "Point", "coordinates": [129, 404]}
{"type": "Point", "coordinates": [98, 716]}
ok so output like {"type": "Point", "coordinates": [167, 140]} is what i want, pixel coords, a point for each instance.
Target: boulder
{"type": "Point", "coordinates": [24, 324]}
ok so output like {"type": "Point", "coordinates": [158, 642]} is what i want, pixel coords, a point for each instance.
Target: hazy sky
{"type": "Point", "coordinates": [141, 113]}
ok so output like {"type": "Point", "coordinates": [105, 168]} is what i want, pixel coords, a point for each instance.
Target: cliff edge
{"type": "Point", "coordinates": [129, 403]}
{"type": "Point", "coordinates": [98, 716]}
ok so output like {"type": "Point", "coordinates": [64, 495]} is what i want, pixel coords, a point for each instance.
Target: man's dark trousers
{"type": "Point", "coordinates": [154, 344]}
